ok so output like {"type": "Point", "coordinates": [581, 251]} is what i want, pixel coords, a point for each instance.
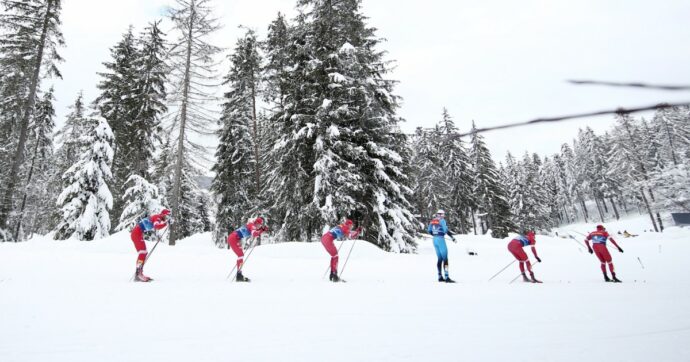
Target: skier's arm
{"type": "Point", "coordinates": [159, 224]}
{"type": "Point", "coordinates": [589, 248]}
{"type": "Point", "coordinates": [534, 251]}
{"type": "Point", "coordinates": [355, 234]}
{"type": "Point", "coordinates": [616, 244]}
{"type": "Point", "coordinates": [450, 233]}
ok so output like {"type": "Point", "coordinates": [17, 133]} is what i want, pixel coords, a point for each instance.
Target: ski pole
{"type": "Point", "coordinates": [348, 258]}
{"type": "Point", "coordinates": [246, 258]}
{"type": "Point", "coordinates": [329, 265]}
{"type": "Point", "coordinates": [148, 255]}
{"type": "Point", "coordinates": [640, 260]}
{"type": "Point", "coordinates": [502, 270]}
{"type": "Point", "coordinates": [575, 240]}
{"type": "Point", "coordinates": [577, 232]}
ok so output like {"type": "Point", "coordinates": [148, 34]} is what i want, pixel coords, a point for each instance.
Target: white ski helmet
{"type": "Point", "coordinates": [441, 212]}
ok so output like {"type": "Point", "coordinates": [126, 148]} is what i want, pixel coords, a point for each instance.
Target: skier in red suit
{"type": "Point", "coordinates": [154, 222]}
{"type": "Point", "coordinates": [599, 239]}
{"type": "Point", "coordinates": [254, 229]}
{"type": "Point", "coordinates": [516, 248]}
{"type": "Point", "coordinates": [339, 232]}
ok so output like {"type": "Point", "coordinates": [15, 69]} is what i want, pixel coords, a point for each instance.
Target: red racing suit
{"type": "Point", "coordinates": [339, 232]}
{"type": "Point", "coordinates": [599, 239]}
{"type": "Point", "coordinates": [516, 247]}
{"type": "Point", "coordinates": [154, 222]}
{"type": "Point", "coordinates": [252, 229]}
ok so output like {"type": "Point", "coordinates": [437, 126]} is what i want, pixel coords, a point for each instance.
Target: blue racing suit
{"type": "Point", "coordinates": [438, 228]}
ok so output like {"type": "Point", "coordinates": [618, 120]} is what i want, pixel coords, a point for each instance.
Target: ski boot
{"type": "Point", "coordinates": [334, 278]}
{"type": "Point", "coordinates": [241, 278]}
{"type": "Point", "coordinates": [525, 278]}
{"type": "Point", "coordinates": [449, 280]}
{"type": "Point", "coordinates": [534, 280]}
{"type": "Point", "coordinates": [614, 279]}
{"type": "Point", "coordinates": [140, 277]}
{"type": "Point", "coordinates": [441, 278]}
{"type": "Point", "coordinates": [606, 278]}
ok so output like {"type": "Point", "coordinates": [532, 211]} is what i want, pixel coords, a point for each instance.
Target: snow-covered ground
{"type": "Point", "coordinates": [72, 301]}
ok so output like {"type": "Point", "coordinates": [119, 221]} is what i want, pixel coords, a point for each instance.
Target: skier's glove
{"type": "Point", "coordinates": [591, 251]}
{"type": "Point", "coordinates": [538, 260]}
{"type": "Point", "coordinates": [453, 238]}
{"type": "Point", "coordinates": [620, 249]}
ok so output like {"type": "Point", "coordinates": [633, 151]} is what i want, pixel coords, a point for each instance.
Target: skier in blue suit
{"type": "Point", "coordinates": [439, 228]}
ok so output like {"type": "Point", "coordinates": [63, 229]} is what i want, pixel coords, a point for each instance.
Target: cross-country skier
{"type": "Point", "coordinates": [154, 222]}
{"type": "Point", "coordinates": [339, 232]}
{"type": "Point", "coordinates": [439, 228]}
{"type": "Point", "coordinates": [516, 247]}
{"type": "Point", "coordinates": [599, 239]}
{"type": "Point", "coordinates": [254, 228]}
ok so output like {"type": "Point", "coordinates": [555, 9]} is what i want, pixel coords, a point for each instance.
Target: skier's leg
{"type": "Point", "coordinates": [443, 255]}
{"type": "Point", "coordinates": [609, 260]}
{"type": "Point", "coordinates": [138, 239]}
{"type": "Point", "coordinates": [601, 252]}
{"type": "Point", "coordinates": [515, 248]}
{"type": "Point", "coordinates": [439, 258]}
{"type": "Point", "coordinates": [234, 243]}
{"type": "Point", "coordinates": [137, 236]}
{"type": "Point", "coordinates": [328, 242]}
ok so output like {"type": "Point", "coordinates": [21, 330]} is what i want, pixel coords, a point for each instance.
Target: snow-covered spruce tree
{"type": "Point", "coordinates": [237, 183]}
{"type": "Point", "coordinates": [430, 187]}
{"type": "Point", "coordinates": [672, 126]}
{"type": "Point", "coordinates": [86, 200]}
{"type": "Point", "coordinates": [149, 100]}
{"type": "Point", "coordinates": [116, 103]}
{"type": "Point", "coordinates": [40, 143]}
{"type": "Point", "coordinates": [360, 152]}
{"type": "Point", "coordinates": [140, 199]}
{"type": "Point", "coordinates": [627, 158]}
{"type": "Point", "coordinates": [456, 170]}
{"type": "Point", "coordinates": [290, 182]}
{"type": "Point", "coordinates": [277, 47]}
{"type": "Point", "coordinates": [132, 100]}
{"type": "Point", "coordinates": [28, 53]}
{"type": "Point", "coordinates": [490, 199]}
{"type": "Point", "coordinates": [193, 78]}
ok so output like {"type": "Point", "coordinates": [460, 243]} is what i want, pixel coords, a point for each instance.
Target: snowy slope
{"type": "Point", "coordinates": [72, 301]}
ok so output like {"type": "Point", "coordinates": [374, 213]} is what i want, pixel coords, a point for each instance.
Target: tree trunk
{"type": "Point", "coordinates": [257, 157]}
{"type": "Point", "coordinates": [601, 214]}
{"type": "Point", "coordinates": [474, 223]}
{"type": "Point", "coordinates": [670, 142]}
{"type": "Point", "coordinates": [177, 187]}
{"type": "Point", "coordinates": [615, 209]}
{"type": "Point", "coordinates": [603, 203]}
{"type": "Point", "coordinates": [28, 182]}
{"type": "Point", "coordinates": [649, 210]}
{"type": "Point", "coordinates": [6, 204]}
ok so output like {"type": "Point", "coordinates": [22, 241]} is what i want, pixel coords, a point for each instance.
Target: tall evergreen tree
{"type": "Point", "coordinates": [347, 111]}
{"type": "Point", "coordinates": [235, 184]}
{"type": "Point", "coordinates": [117, 103]}
{"type": "Point", "coordinates": [457, 171]}
{"type": "Point", "coordinates": [430, 188]}
{"type": "Point", "coordinates": [40, 144]}
{"type": "Point", "coordinates": [28, 48]}
{"type": "Point", "coordinates": [489, 194]}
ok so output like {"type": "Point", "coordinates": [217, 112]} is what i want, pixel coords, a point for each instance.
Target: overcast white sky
{"type": "Point", "coordinates": [492, 61]}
